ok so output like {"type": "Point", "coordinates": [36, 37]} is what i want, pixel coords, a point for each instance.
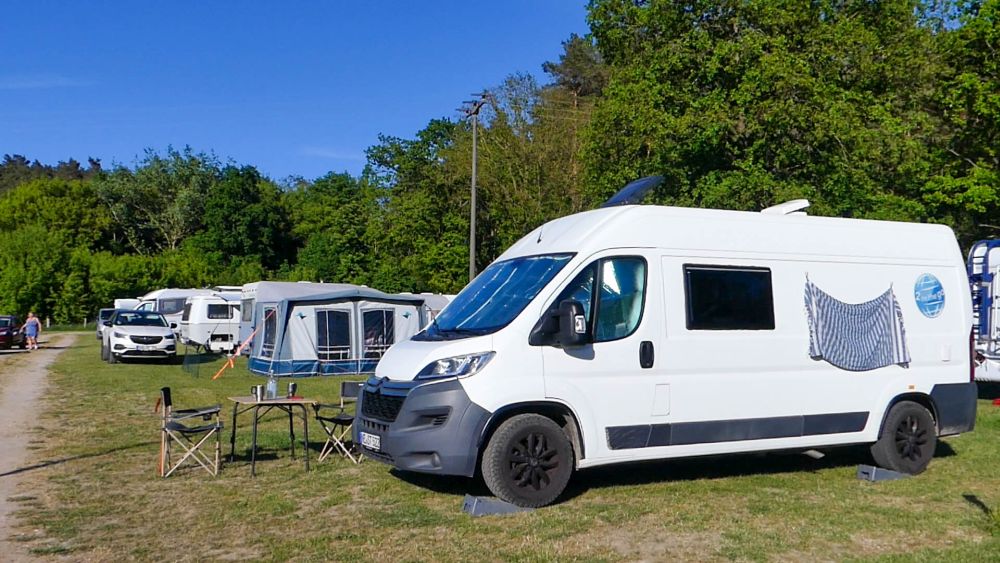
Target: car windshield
{"type": "Point", "coordinates": [494, 298]}
{"type": "Point", "coordinates": [5, 322]}
{"type": "Point", "coordinates": [140, 318]}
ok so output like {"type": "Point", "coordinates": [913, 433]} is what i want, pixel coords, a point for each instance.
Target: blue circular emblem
{"type": "Point", "coordinates": [929, 295]}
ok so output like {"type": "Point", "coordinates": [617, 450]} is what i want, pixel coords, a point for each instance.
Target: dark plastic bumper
{"type": "Point", "coordinates": [437, 430]}
{"type": "Point", "coordinates": [956, 407]}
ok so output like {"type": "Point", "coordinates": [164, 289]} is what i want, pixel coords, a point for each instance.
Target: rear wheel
{"type": "Point", "coordinates": [528, 461]}
{"type": "Point", "coordinates": [908, 439]}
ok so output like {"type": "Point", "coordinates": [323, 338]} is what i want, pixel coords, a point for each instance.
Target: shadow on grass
{"type": "Point", "coordinates": [988, 390]}
{"type": "Point", "coordinates": [51, 462]}
{"type": "Point", "coordinates": [690, 469]}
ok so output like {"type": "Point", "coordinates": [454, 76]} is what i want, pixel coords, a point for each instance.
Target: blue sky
{"type": "Point", "coordinates": [294, 88]}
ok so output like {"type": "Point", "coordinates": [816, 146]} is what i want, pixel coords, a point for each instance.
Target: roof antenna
{"type": "Point", "coordinates": [794, 207]}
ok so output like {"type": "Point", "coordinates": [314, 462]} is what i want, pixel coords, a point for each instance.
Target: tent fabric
{"type": "Point", "coordinates": [325, 333]}
{"type": "Point", "coordinates": [856, 337]}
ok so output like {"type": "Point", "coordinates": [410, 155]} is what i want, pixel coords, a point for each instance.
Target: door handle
{"type": "Point", "coordinates": [646, 354]}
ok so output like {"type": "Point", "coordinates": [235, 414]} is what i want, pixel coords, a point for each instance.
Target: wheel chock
{"type": "Point", "coordinates": [485, 506]}
{"type": "Point", "coordinates": [872, 473]}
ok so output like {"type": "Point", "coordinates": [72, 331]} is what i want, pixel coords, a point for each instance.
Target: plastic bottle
{"type": "Point", "coordinates": [272, 388]}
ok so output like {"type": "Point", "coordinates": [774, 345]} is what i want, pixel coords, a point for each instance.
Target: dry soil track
{"type": "Point", "coordinates": [21, 390]}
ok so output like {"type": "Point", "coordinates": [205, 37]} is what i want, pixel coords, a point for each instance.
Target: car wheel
{"type": "Point", "coordinates": [113, 358]}
{"type": "Point", "coordinates": [528, 461]}
{"type": "Point", "coordinates": [24, 344]}
{"type": "Point", "coordinates": [908, 439]}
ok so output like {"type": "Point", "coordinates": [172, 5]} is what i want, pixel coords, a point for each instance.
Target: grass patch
{"type": "Point", "coordinates": [99, 496]}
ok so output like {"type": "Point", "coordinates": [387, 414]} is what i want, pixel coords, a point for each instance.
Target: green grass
{"type": "Point", "coordinates": [99, 497]}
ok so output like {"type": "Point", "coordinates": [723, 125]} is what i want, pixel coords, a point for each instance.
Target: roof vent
{"type": "Point", "coordinates": [794, 207]}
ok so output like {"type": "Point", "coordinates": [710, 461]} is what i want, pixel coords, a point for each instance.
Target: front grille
{"type": "Point", "coordinates": [382, 407]}
{"type": "Point", "coordinates": [372, 425]}
{"type": "Point", "coordinates": [146, 339]}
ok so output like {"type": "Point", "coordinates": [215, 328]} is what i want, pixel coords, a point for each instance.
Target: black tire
{"type": "Point", "coordinates": [113, 358]}
{"type": "Point", "coordinates": [528, 461]}
{"type": "Point", "coordinates": [908, 439]}
{"type": "Point", "coordinates": [104, 352]}
{"type": "Point", "coordinates": [24, 344]}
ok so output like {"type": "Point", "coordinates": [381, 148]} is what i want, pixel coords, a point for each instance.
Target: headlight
{"type": "Point", "coordinates": [117, 334]}
{"type": "Point", "coordinates": [456, 366]}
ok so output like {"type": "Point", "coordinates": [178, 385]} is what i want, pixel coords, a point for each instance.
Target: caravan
{"type": "Point", "coordinates": [212, 321]}
{"type": "Point", "coordinates": [169, 302]}
{"type": "Point", "coordinates": [636, 333]}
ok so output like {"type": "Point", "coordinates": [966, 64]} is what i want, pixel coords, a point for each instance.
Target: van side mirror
{"type": "Point", "coordinates": [564, 326]}
{"type": "Point", "coordinates": [573, 329]}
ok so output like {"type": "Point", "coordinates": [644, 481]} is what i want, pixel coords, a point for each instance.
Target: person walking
{"type": "Point", "coordinates": [32, 328]}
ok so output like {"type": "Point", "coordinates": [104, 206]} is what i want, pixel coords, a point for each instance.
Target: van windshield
{"type": "Point", "coordinates": [494, 298]}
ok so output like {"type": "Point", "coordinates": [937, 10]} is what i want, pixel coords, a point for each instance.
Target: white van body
{"type": "Point", "coordinates": [169, 302]}
{"type": "Point", "coordinates": [212, 321]}
{"type": "Point", "coordinates": [664, 387]}
{"type": "Point", "coordinates": [126, 303]}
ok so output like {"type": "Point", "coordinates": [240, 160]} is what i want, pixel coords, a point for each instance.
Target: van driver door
{"type": "Point", "coordinates": [616, 383]}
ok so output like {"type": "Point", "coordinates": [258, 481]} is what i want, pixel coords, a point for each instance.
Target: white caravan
{"type": "Point", "coordinates": [169, 302]}
{"type": "Point", "coordinates": [645, 332]}
{"type": "Point", "coordinates": [984, 279]}
{"type": "Point", "coordinates": [212, 321]}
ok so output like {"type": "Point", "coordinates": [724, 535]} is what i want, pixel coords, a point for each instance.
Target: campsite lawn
{"type": "Point", "coordinates": [95, 494]}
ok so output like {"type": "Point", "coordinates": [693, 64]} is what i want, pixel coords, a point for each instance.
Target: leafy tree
{"type": "Point", "coordinates": [581, 70]}
{"type": "Point", "coordinates": [244, 215]}
{"type": "Point", "coordinates": [160, 203]}
{"type": "Point", "coordinates": [741, 104]}
{"type": "Point", "coordinates": [68, 207]}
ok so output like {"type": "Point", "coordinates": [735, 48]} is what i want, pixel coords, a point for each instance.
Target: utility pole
{"type": "Point", "coordinates": [471, 110]}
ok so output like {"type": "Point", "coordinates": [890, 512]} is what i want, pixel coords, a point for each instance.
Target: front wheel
{"type": "Point", "coordinates": [908, 439]}
{"type": "Point", "coordinates": [528, 461]}
{"type": "Point", "coordinates": [113, 358]}
{"type": "Point", "coordinates": [104, 352]}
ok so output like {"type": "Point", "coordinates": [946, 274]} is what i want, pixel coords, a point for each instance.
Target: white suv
{"type": "Point", "coordinates": [137, 334]}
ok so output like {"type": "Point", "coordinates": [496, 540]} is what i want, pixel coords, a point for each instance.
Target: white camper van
{"type": "Point", "coordinates": [212, 321]}
{"type": "Point", "coordinates": [645, 332]}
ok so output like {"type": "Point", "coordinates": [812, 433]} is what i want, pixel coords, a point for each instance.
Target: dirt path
{"type": "Point", "coordinates": [20, 391]}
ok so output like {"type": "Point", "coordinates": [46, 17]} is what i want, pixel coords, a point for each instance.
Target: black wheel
{"type": "Point", "coordinates": [908, 439]}
{"type": "Point", "coordinates": [104, 352]}
{"type": "Point", "coordinates": [528, 461]}
{"type": "Point", "coordinates": [24, 344]}
{"type": "Point", "coordinates": [113, 358]}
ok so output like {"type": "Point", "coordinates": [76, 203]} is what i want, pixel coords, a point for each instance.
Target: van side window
{"type": "Point", "coordinates": [728, 298]}
{"type": "Point", "coordinates": [622, 288]}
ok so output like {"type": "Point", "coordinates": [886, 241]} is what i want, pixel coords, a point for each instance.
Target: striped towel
{"type": "Point", "coordinates": [856, 337]}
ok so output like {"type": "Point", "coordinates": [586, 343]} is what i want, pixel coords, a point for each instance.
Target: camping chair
{"type": "Point", "coordinates": [338, 425]}
{"type": "Point", "coordinates": [176, 428]}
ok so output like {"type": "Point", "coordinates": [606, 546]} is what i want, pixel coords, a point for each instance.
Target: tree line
{"type": "Point", "coordinates": [883, 110]}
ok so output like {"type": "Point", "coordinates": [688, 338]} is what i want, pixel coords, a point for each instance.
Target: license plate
{"type": "Point", "coordinates": [371, 441]}
{"type": "Point", "coordinates": [142, 348]}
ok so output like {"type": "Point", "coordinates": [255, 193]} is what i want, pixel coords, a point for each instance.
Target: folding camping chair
{"type": "Point", "coordinates": [177, 429]}
{"type": "Point", "coordinates": [338, 425]}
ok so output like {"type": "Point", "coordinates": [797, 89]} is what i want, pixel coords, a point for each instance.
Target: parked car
{"type": "Point", "coordinates": [137, 334]}
{"type": "Point", "coordinates": [10, 332]}
{"type": "Point", "coordinates": [103, 315]}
